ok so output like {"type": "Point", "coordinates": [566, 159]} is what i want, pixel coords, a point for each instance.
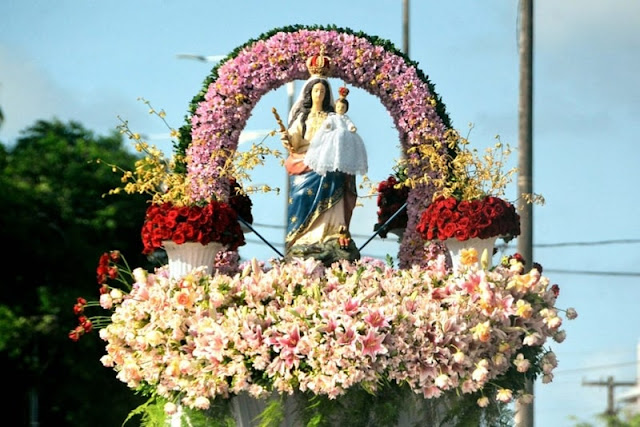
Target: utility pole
{"type": "Point", "coordinates": [1, 113]}
{"type": "Point", "coordinates": [405, 27]}
{"type": "Point", "coordinates": [524, 412]}
{"type": "Point", "coordinates": [611, 385]}
{"type": "Point", "coordinates": [405, 43]}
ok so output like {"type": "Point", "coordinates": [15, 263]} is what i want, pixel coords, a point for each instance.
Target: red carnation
{"type": "Point", "coordinates": [447, 217]}
{"type": "Point", "coordinates": [79, 306]}
{"type": "Point", "coordinates": [191, 224]}
{"type": "Point", "coordinates": [115, 255]}
{"type": "Point", "coordinates": [75, 334]}
{"type": "Point", "coordinates": [179, 236]}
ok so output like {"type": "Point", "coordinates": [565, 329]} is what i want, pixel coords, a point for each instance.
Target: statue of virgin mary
{"type": "Point", "coordinates": [320, 206]}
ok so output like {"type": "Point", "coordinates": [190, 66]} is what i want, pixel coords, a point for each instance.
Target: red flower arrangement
{"type": "Point", "coordinates": [213, 222]}
{"type": "Point", "coordinates": [390, 199]}
{"type": "Point", "coordinates": [111, 267]}
{"type": "Point", "coordinates": [448, 217]}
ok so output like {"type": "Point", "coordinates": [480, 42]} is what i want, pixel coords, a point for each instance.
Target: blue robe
{"type": "Point", "coordinates": [311, 195]}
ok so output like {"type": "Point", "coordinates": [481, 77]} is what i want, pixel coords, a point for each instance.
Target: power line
{"type": "Point", "coordinates": [276, 226]}
{"type": "Point", "coordinates": [280, 227]}
{"type": "Point", "coordinates": [610, 384]}
{"type": "Point", "coordinates": [546, 270]}
{"type": "Point", "coordinates": [598, 243]}
{"type": "Point", "coordinates": [595, 368]}
{"type": "Point", "coordinates": [537, 245]}
{"type": "Point", "coordinates": [594, 273]}
{"type": "Point", "coordinates": [503, 247]}
{"type": "Point", "coordinates": [281, 245]}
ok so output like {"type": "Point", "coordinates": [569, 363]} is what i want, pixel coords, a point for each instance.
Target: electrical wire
{"type": "Point", "coordinates": [595, 368]}
{"type": "Point", "coordinates": [596, 243]}
{"type": "Point", "coordinates": [503, 247]}
{"type": "Point", "coordinates": [537, 245]}
{"type": "Point", "coordinates": [594, 273]}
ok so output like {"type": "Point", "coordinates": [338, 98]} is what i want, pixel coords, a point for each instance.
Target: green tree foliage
{"type": "Point", "coordinates": [621, 419]}
{"type": "Point", "coordinates": [56, 223]}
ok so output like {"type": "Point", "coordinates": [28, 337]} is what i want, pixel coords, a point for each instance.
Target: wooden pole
{"type": "Point", "coordinates": [524, 412]}
{"type": "Point", "coordinates": [405, 27]}
{"type": "Point", "coordinates": [610, 384]}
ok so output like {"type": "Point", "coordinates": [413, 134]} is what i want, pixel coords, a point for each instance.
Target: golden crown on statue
{"type": "Point", "coordinates": [319, 65]}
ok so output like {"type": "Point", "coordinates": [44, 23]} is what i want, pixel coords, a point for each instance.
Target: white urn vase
{"type": "Point", "coordinates": [484, 247]}
{"type": "Point", "coordinates": [185, 257]}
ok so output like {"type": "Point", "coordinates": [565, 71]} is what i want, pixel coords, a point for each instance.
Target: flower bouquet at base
{"type": "Point", "coordinates": [468, 199]}
{"type": "Point", "coordinates": [358, 334]}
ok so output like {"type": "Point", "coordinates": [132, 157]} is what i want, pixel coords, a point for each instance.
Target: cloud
{"type": "Point", "coordinates": [28, 93]}
{"type": "Point", "coordinates": [594, 24]}
{"type": "Point", "coordinates": [585, 65]}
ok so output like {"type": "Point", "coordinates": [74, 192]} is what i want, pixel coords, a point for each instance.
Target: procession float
{"type": "Point", "coordinates": [324, 335]}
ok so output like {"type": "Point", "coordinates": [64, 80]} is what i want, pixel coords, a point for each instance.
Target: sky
{"type": "Point", "coordinates": [91, 61]}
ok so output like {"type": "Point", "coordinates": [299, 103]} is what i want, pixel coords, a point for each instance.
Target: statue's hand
{"type": "Point", "coordinates": [284, 137]}
{"type": "Point", "coordinates": [353, 128]}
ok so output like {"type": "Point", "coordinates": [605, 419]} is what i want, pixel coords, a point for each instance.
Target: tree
{"type": "Point", "coordinates": [626, 419]}
{"type": "Point", "coordinates": [56, 224]}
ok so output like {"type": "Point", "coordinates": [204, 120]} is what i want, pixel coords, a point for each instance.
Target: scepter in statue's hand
{"type": "Point", "coordinates": [283, 130]}
{"type": "Point", "coordinates": [278, 119]}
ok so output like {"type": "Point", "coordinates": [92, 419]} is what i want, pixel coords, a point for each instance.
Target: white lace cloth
{"type": "Point", "coordinates": [337, 147]}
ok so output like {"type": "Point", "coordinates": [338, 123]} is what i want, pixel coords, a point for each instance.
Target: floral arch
{"type": "Point", "coordinates": [221, 109]}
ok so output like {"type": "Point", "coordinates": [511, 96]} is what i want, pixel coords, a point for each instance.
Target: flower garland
{"type": "Point", "coordinates": [213, 222]}
{"type": "Point", "coordinates": [221, 109]}
{"type": "Point", "coordinates": [302, 327]}
{"type": "Point", "coordinates": [448, 217]}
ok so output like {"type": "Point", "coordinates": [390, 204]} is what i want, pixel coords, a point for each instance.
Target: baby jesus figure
{"type": "Point", "coordinates": [336, 146]}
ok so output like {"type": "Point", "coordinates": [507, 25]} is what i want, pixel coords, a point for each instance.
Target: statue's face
{"type": "Point", "coordinates": [317, 93]}
{"type": "Point", "coordinates": [341, 108]}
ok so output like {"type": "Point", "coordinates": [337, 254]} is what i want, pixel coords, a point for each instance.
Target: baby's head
{"type": "Point", "coordinates": [342, 106]}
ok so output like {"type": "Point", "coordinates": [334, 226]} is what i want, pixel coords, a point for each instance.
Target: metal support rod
{"type": "Point", "coordinates": [384, 226]}
{"type": "Point", "coordinates": [246, 224]}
